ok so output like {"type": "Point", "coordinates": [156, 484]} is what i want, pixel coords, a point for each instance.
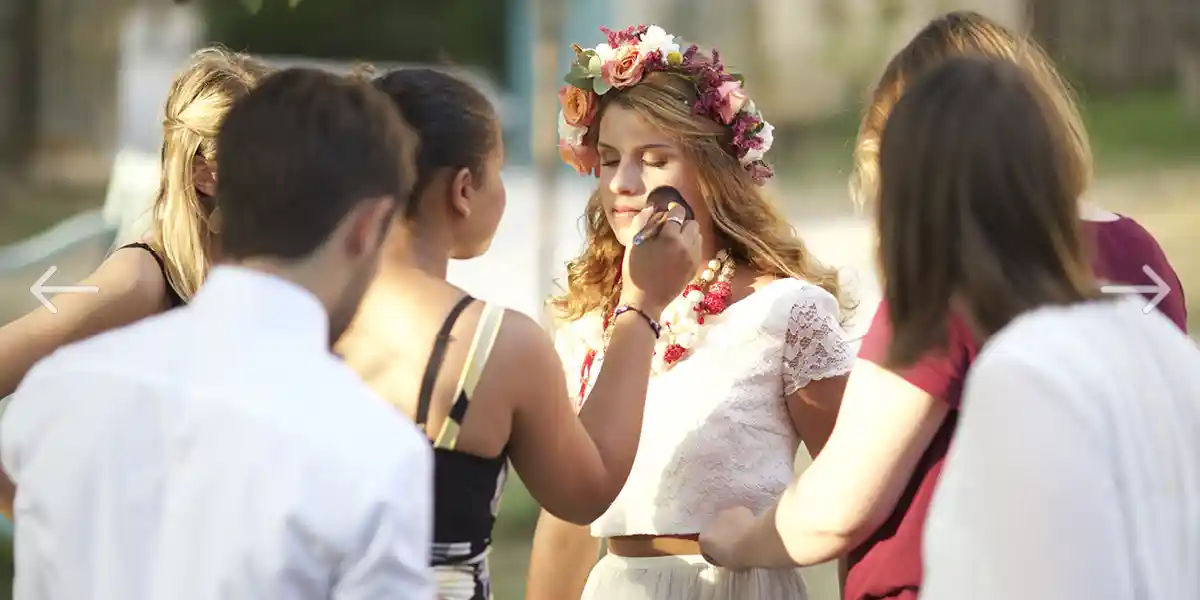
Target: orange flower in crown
{"type": "Point", "coordinates": [622, 62]}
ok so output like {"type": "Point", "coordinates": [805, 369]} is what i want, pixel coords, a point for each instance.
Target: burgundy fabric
{"type": "Point", "coordinates": [889, 564]}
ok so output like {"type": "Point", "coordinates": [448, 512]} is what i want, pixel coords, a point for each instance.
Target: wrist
{"type": "Point", "coordinates": [652, 309]}
{"type": "Point", "coordinates": [639, 314]}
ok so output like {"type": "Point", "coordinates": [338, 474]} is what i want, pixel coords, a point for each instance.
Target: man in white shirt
{"type": "Point", "coordinates": [220, 451]}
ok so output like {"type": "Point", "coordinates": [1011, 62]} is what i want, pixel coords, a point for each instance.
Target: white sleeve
{"type": "Point", "coordinates": [393, 561]}
{"type": "Point", "coordinates": [1027, 506]}
{"type": "Point", "coordinates": [815, 346]}
{"type": "Point", "coordinates": [18, 422]}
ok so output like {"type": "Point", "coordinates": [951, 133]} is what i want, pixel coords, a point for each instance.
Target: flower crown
{"type": "Point", "coordinates": [629, 56]}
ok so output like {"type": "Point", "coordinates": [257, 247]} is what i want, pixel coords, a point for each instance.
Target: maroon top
{"type": "Point", "coordinates": [889, 564]}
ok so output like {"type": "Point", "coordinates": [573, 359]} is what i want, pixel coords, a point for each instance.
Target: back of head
{"type": "Point", "coordinates": [299, 154]}
{"type": "Point", "coordinates": [456, 123]}
{"type": "Point", "coordinates": [976, 208]}
{"type": "Point", "coordinates": [196, 104]}
{"type": "Point", "coordinates": [954, 34]}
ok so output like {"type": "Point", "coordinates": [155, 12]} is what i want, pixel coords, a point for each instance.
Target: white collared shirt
{"type": "Point", "coordinates": [1075, 469]}
{"type": "Point", "coordinates": [216, 452]}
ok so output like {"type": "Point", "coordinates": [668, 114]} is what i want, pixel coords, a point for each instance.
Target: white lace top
{"type": "Point", "coordinates": [716, 431]}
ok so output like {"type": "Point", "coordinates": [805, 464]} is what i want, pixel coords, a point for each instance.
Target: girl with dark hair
{"type": "Point", "coordinates": [492, 389]}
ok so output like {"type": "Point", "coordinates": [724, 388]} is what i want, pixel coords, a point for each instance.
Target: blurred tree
{"type": "Point", "coordinates": [1186, 17]}
{"type": "Point", "coordinates": [466, 32]}
{"type": "Point", "coordinates": [1115, 45]}
{"type": "Point", "coordinates": [549, 15]}
{"type": "Point", "coordinates": [78, 54]}
{"type": "Point", "coordinates": [18, 69]}
{"type": "Point", "coordinates": [58, 65]}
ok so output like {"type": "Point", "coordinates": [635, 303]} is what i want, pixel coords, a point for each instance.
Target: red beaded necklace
{"type": "Point", "coordinates": [708, 294]}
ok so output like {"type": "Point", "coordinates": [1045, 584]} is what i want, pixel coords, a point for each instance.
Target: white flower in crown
{"type": "Point", "coordinates": [656, 38]}
{"type": "Point", "coordinates": [570, 134]}
{"type": "Point", "coordinates": [767, 135]}
{"type": "Point", "coordinates": [603, 54]}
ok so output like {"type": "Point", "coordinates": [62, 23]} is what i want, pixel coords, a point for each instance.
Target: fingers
{"type": "Point", "coordinates": [691, 236]}
{"type": "Point", "coordinates": [676, 217]}
{"type": "Point", "coordinates": [641, 219]}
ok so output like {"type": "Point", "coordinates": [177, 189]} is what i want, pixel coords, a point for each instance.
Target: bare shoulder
{"type": "Point", "coordinates": [524, 347]}
{"type": "Point", "coordinates": [131, 275]}
{"type": "Point", "coordinates": [521, 335]}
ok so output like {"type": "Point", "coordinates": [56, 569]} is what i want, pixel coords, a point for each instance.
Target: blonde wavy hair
{"type": "Point", "coordinates": [746, 221]}
{"type": "Point", "coordinates": [955, 34]}
{"type": "Point", "coordinates": [199, 98]}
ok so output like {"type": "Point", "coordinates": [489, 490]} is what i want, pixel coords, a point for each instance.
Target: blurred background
{"type": "Point", "coordinates": [84, 82]}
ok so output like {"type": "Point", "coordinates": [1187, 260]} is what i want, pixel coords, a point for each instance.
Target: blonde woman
{"type": "Point", "coordinates": [752, 359]}
{"type": "Point", "coordinates": [164, 270]}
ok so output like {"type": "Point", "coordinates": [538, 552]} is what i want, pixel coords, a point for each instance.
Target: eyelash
{"type": "Point", "coordinates": [657, 165]}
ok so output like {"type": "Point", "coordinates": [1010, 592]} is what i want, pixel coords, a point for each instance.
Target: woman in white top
{"type": "Point", "coordinates": [1075, 471]}
{"type": "Point", "coordinates": [752, 359]}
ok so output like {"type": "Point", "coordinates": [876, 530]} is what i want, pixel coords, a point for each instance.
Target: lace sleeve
{"type": "Point", "coordinates": [815, 346]}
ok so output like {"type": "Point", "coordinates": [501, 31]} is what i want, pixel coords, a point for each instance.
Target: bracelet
{"type": "Point", "coordinates": [624, 308]}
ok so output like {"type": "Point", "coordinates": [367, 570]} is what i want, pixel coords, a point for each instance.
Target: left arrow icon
{"type": "Point", "coordinates": [39, 289]}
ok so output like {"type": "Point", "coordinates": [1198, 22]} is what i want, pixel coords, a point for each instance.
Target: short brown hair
{"type": "Point", "coordinates": [954, 34]}
{"type": "Point", "coordinates": [977, 208]}
{"type": "Point", "coordinates": [301, 151]}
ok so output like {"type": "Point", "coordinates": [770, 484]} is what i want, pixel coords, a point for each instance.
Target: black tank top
{"type": "Point", "coordinates": [467, 488]}
{"type": "Point", "coordinates": [174, 300]}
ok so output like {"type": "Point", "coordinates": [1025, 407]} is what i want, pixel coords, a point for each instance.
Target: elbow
{"type": "Point", "coordinates": [815, 537]}
{"type": "Point", "coordinates": [583, 512]}
{"type": "Point", "coordinates": [587, 505]}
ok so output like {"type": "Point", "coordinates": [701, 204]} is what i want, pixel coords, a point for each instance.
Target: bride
{"type": "Point", "coordinates": [752, 359]}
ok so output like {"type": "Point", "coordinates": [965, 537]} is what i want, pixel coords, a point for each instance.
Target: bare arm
{"type": "Point", "coordinates": [814, 409]}
{"type": "Point", "coordinates": [131, 288]}
{"type": "Point", "coordinates": [563, 555]}
{"type": "Point", "coordinates": [575, 466]}
{"type": "Point", "coordinates": [854, 485]}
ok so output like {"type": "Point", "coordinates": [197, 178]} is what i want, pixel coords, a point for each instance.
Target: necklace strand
{"type": "Point", "coordinates": [682, 321]}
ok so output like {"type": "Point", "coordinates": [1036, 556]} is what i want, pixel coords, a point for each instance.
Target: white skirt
{"type": "Point", "coordinates": [687, 578]}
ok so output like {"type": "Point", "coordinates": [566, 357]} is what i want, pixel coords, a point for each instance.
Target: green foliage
{"type": "Point", "coordinates": [463, 32]}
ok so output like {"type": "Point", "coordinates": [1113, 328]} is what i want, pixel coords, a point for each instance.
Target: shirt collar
{"type": "Point", "coordinates": [260, 301]}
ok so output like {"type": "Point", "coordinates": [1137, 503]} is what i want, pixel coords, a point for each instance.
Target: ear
{"type": "Point", "coordinates": [462, 190]}
{"type": "Point", "coordinates": [368, 225]}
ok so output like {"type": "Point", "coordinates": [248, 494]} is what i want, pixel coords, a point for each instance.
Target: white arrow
{"type": "Point", "coordinates": [39, 289]}
{"type": "Point", "coordinates": [1160, 289]}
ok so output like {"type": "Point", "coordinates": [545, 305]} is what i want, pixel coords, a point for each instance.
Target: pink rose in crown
{"type": "Point", "coordinates": [733, 99]}
{"type": "Point", "coordinates": [626, 67]}
{"type": "Point", "coordinates": [582, 158]}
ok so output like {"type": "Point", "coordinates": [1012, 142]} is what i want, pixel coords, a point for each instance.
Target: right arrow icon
{"type": "Point", "coordinates": [1160, 289]}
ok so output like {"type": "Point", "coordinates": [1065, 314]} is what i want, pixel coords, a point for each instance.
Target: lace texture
{"type": "Point", "coordinates": [716, 431]}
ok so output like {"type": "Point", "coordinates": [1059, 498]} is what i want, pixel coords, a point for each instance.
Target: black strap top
{"type": "Point", "coordinates": [173, 297]}
{"type": "Point", "coordinates": [467, 487]}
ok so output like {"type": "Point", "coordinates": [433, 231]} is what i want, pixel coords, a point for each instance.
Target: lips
{"type": "Point", "coordinates": [626, 210]}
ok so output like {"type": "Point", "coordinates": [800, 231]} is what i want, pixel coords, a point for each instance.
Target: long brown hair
{"type": "Point", "coordinates": [746, 221]}
{"type": "Point", "coordinates": [955, 34]}
{"type": "Point", "coordinates": [977, 210]}
{"type": "Point", "coordinates": [199, 98]}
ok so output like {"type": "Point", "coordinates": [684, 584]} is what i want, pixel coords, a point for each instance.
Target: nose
{"type": "Point", "coordinates": [627, 181]}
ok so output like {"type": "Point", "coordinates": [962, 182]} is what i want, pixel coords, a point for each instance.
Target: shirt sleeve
{"type": "Point", "coordinates": [18, 419]}
{"type": "Point", "coordinates": [940, 373]}
{"type": "Point", "coordinates": [1026, 506]}
{"type": "Point", "coordinates": [393, 561]}
{"type": "Point", "coordinates": [815, 344]}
